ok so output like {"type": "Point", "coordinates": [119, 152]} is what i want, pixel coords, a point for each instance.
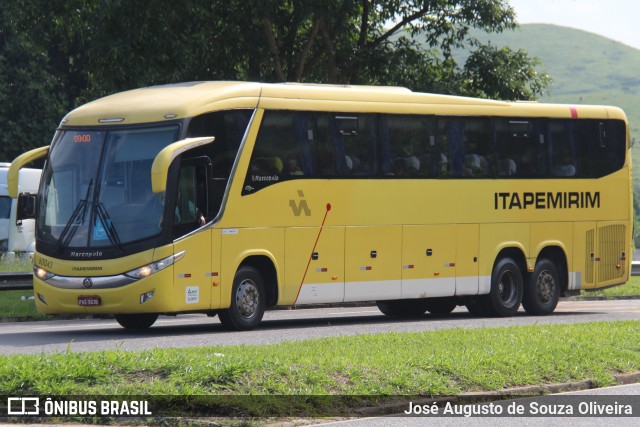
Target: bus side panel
{"type": "Point", "coordinates": [241, 243]}
{"type": "Point", "coordinates": [313, 276]}
{"type": "Point", "coordinates": [547, 234]}
{"type": "Point", "coordinates": [192, 276]}
{"type": "Point", "coordinates": [493, 239]}
{"type": "Point", "coordinates": [428, 261]}
{"type": "Point", "coordinates": [467, 259]}
{"type": "Point", "coordinates": [372, 265]}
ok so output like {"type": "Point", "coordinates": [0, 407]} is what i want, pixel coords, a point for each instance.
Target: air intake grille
{"type": "Point", "coordinates": [610, 249]}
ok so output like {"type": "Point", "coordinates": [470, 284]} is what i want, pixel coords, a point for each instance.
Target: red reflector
{"type": "Point", "coordinates": [89, 300]}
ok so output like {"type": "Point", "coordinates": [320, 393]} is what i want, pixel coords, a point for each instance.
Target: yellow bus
{"type": "Point", "coordinates": [232, 197]}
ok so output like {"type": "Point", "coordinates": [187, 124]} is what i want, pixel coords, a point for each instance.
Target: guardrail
{"type": "Point", "coordinates": [24, 281]}
{"type": "Point", "coordinates": [16, 281]}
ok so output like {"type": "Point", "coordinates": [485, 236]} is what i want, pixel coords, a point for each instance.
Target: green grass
{"type": "Point", "coordinates": [629, 289]}
{"type": "Point", "coordinates": [17, 304]}
{"type": "Point", "coordinates": [446, 362]}
{"type": "Point", "coordinates": [15, 265]}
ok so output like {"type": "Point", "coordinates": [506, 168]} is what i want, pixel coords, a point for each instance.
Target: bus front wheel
{"type": "Point", "coordinates": [542, 293]}
{"type": "Point", "coordinates": [136, 321]}
{"type": "Point", "coordinates": [247, 301]}
{"type": "Point", "coordinates": [505, 295]}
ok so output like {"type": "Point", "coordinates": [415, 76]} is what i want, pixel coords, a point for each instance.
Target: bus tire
{"type": "Point", "coordinates": [542, 293]}
{"type": "Point", "coordinates": [247, 301]}
{"type": "Point", "coordinates": [403, 308]}
{"type": "Point", "coordinates": [503, 300]}
{"type": "Point", "coordinates": [440, 306]}
{"type": "Point", "coordinates": [136, 321]}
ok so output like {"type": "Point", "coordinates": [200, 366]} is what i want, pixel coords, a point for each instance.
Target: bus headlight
{"type": "Point", "coordinates": [154, 267]}
{"type": "Point", "coordinates": [42, 274]}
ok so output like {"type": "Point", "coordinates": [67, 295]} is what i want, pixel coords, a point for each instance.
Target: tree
{"type": "Point", "coordinates": [82, 49]}
{"type": "Point", "coordinates": [31, 103]}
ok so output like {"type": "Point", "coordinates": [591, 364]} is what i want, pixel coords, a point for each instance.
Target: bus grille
{"type": "Point", "coordinates": [610, 249]}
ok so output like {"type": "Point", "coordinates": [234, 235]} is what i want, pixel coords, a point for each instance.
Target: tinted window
{"type": "Point", "coordinates": [409, 146]}
{"type": "Point", "coordinates": [466, 142]}
{"type": "Point", "coordinates": [520, 148]}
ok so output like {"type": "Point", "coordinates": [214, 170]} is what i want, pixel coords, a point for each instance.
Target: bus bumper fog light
{"type": "Point", "coordinates": [42, 299]}
{"type": "Point", "coordinates": [146, 297]}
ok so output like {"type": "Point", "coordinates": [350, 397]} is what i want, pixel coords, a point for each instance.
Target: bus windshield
{"type": "Point", "coordinates": [97, 188]}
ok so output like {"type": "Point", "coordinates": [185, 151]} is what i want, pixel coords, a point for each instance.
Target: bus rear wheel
{"type": "Point", "coordinates": [542, 293]}
{"type": "Point", "coordinates": [403, 308]}
{"type": "Point", "coordinates": [247, 301]}
{"type": "Point", "coordinates": [136, 321]}
{"type": "Point", "coordinates": [505, 295]}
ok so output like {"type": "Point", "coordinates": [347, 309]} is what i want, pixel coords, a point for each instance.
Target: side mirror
{"type": "Point", "coordinates": [26, 207]}
{"type": "Point", "coordinates": [18, 163]}
{"type": "Point", "coordinates": [160, 167]}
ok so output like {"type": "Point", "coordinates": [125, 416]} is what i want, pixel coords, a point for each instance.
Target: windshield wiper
{"type": "Point", "coordinates": [77, 218]}
{"type": "Point", "coordinates": [109, 229]}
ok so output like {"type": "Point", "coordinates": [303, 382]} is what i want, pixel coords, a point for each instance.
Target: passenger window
{"type": "Point", "coordinates": [562, 148]}
{"type": "Point", "coordinates": [409, 146]}
{"type": "Point", "coordinates": [600, 147]}
{"type": "Point", "coordinates": [283, 150]}
{"type": "Point", "coordinates": [467, 145]}
{"type": "Point", "coordinates": [519, 148]}
{"type": "Point", "coordinates": [355, 136]}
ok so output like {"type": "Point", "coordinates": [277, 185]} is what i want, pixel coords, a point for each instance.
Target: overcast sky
{"type": "Point", "coordinates": [616, 19]}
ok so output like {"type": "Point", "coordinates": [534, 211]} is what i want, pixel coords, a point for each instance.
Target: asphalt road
{"type": "Point", "coordinates": [278, 325]}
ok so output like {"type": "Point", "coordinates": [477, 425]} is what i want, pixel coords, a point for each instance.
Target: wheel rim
{"type": "Point", "coordinates": [546, 287]}
{"type": "Point", "coordinates": [247, 298]}
{"type": "Point", "coordinates": [507, 288]}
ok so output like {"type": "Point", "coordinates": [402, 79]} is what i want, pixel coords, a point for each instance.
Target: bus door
{"type": "Point", "coordinates": [428, 261]}
{"type": "Point", "coordinates": [193, 281]}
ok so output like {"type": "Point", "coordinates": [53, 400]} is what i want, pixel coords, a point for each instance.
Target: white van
{"type": "Point", "coordinates": [17, 216]}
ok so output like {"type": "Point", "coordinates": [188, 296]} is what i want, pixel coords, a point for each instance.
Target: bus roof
{"type": "Point", "coordinates": [177, 101]}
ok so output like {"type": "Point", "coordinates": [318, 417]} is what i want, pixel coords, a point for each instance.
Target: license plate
{"type": "Point", "coordinates": [89, 300]}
